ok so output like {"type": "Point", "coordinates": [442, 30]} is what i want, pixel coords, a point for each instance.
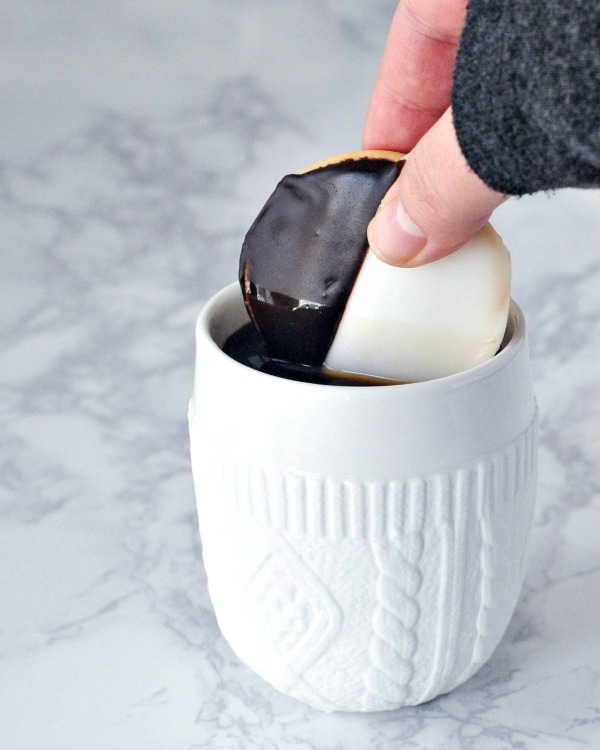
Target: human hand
{"type": "Point", "coordinates": [438, 202]}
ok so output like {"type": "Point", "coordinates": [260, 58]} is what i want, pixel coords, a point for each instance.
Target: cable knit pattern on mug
{"type": "Point", "coordinates": [436, 562]}
{"type": "Point", "coordinates": [493, 478]}
{"type": "Point", "coordinates": [487, 559]}
{"type": "Point", "coordinates": [394, 642]}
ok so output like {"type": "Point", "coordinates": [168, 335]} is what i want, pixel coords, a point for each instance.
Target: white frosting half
{"type": "Point", "coordinates": [415, 324]}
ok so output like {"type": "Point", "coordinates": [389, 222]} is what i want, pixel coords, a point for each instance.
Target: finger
{"type": "Point", "coordinates": [415, 76]}
{"type": "Point", "coordinates": [435, 206]}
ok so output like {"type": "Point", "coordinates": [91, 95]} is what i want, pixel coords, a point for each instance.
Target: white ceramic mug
{"type": "Point", "coordinates": [364, 546]}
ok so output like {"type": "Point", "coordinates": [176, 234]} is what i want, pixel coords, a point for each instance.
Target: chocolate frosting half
{"type": "Point", "coordinates": [303, 252]}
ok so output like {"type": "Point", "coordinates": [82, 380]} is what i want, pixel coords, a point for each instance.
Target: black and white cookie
{"type": "Point", "coordinates": [319, 297]}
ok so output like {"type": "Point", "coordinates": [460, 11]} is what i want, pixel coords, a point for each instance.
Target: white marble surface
{"type": "Point", "coordinates": [137, 142]}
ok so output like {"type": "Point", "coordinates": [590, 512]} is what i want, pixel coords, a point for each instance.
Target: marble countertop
{"type": "Point", "coordinates": [137, 143]}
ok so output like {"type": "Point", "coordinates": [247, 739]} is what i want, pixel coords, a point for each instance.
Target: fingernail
{"type": "Point", "coordinates": [393, 235]}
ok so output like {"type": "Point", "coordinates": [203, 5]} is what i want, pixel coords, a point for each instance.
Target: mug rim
{"type": "Point", "coordinates": [457, 380]}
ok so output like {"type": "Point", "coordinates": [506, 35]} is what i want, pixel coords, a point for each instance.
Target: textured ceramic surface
{"type": "Point", "coordinates": [349, 571]}
{"type": "Point", "coordinates": [138, 141]}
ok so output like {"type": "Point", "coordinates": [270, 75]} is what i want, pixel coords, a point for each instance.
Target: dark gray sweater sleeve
{"type": "Point", "coordinates": [526, 93]}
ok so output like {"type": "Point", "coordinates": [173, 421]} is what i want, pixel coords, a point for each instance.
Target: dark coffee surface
{"type": "Point", "coordinates": [248, 347]}
{"type": "Point", "coordinates": [301, 256]}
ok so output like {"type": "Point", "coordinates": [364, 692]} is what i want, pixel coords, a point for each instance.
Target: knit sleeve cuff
{"type": "Point", "coordinates": [526, 93]}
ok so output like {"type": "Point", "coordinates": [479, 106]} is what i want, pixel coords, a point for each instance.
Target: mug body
{"type": "Point", "coordinates": [364, 547]}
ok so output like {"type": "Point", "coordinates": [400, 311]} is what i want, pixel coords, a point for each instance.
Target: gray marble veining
{"type": "Point", "coordinates": [138, 142]}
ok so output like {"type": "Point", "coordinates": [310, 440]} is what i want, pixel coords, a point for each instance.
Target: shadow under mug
{"type": "Point", "coordinates": [364, 547]}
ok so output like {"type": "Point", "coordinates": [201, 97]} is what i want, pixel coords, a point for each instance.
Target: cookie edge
{"type": "Point", "coordinates": [392, 156]}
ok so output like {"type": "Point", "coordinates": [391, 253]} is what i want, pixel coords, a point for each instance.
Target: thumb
{"type": "Point", "coordinates": [435, 206]}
